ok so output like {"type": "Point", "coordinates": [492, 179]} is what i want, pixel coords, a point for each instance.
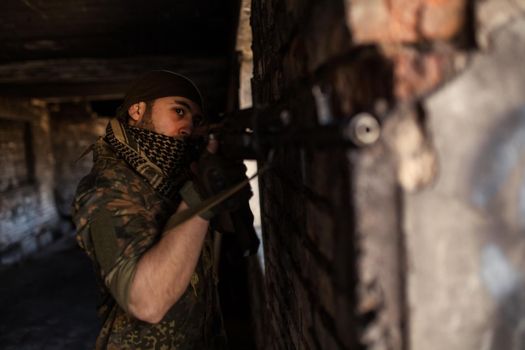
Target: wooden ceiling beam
{"type": "Point", "coordinates": [99, 79]}
{"type": "Point", "coordinates": [89, 70]}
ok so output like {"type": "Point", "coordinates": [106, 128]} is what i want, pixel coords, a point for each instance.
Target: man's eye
{"type": "Point", "coordinates": [179, 111]}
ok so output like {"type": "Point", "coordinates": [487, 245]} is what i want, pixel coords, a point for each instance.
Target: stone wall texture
{"type": "Point", "coordinates": [465, 233]}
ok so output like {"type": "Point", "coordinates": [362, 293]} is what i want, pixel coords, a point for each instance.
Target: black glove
{"type": "Point", "coordinates": [216, 174]}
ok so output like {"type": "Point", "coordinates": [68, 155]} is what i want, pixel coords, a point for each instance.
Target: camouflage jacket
{"type": "Point", "coordinates": [119, 217]}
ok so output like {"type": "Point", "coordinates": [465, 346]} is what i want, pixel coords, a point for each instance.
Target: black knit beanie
{"type": "Point", "coordinates": [157, 84]}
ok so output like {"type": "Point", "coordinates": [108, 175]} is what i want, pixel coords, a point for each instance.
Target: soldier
{"type": "Point", "coordinates": [157, 284]}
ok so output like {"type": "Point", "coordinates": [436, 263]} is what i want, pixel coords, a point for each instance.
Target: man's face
{"type": "Point", "coordinates": [170, 116]}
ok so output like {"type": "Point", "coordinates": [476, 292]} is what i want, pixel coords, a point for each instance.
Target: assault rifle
{"type": "Point", "coordinates": [253, 134]}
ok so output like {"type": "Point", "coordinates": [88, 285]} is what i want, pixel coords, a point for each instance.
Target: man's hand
{"type": "Point", "coordinates": [217, 174]}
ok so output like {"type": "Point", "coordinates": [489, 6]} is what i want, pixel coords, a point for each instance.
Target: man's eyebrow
{"type": "Point", "coordinates": [183, 103]}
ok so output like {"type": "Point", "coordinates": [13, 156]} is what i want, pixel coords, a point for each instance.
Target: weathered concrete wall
{"type": "Point", "coordinates": [27, 210]}
{"type": "Point", "coordinates": [465, 234]}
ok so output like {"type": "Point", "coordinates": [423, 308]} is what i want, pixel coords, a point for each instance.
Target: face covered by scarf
{"type": "Point", "coordinates": [163, 160]}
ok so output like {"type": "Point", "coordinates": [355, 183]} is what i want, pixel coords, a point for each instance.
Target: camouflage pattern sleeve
{"type": "Point", "coordinates": [115, 226]}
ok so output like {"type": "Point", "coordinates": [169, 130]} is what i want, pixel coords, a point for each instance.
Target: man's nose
{"type": "Point", "coordinates": [187, 128]}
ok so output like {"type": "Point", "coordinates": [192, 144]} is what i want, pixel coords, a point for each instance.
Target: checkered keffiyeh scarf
{"type": "Point", "coordinates": [162, 160]}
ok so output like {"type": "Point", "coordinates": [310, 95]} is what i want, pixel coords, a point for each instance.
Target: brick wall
{"type": "Point", "coordinates": [16, 153]}
{"type": "Point", "coordinates": [39, 146]}
{"type": "Point", "coordinates": [309, 247]}
{"type": "Point", "coordinates": [28, 216]}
